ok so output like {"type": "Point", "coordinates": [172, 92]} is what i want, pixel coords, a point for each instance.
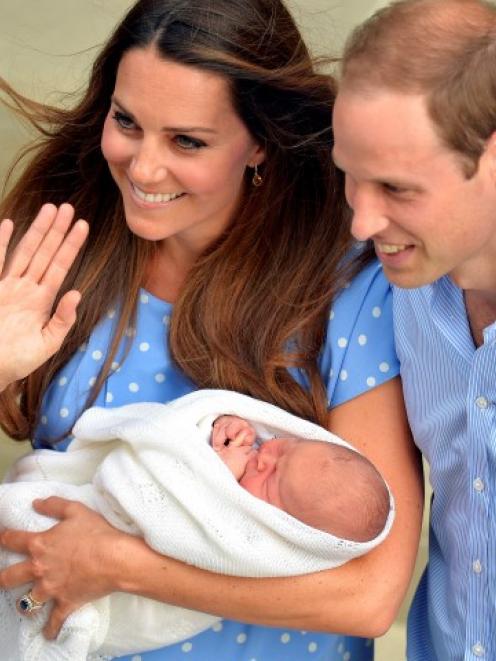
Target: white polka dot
{"type": "Point", "coordinates": [331, 373]}
{"type": "Point", "coordinates": [44, 419]}
{"type": "Point", "coordinates": [371, 381]}
{"type": "Point", "coordinates": [332, 315]}
{"type": "Point", "coordinates": [92, 381]}
{"type": "Point", "coordinates": [115, 366]}
{"type": "Point", "coordinates": [111, 314]}
{"type": "Point", "coordinates": [144, 298]}
{"type": "Point", "coordinates": [137, 657]}
{"type": "Point", "coordinates": [343, 375]}
{"type": "Point", "coordinates": [241, 639]}
{"type": "Point", "coordinates": [341, 648]}
{"type": "Point", "coordinates": [313, 647]}
{"type": "Point", "coordinates": [303, 633]}
{"type": "Point", "coordinates": [144, 346]}
{"type": "Point", "coordinates": [64, 412]}
{"type": "Point", "coordinates": [285, 638]}
{"type": "Point", "coordinates": [159, 377]}
{"type": "Point", "coordinates": [347, 285]}
{"type": "Point", "coordinates": [342, 342]}
{"type": "Point", "coordinates": [376, 312]}
{"type": "Point", "coordinates": [130, 332]}
{"type": "Point", "coordinates": [133, 387]}
{"type": "Point", "coordinates": [83, 347]}
{"type": "Point", "coordinates": [347, 656]}
{"type": "Point", "coordinates": [187, 647]}
{"type": "Point", "coordinates": [62, 381]}
{"type": "Point", "coordinates": [109, 397]}
{"type": "Point", "coordinates": [362, 340]}
{"type": "Point", "coordinates": [384, 367]}
{"type": "Point", "coordinates": [166, 319]}
{"type": "Point", "coordinates": [218, 626]}
{"type": "Point", "coordinates": [97, 355]}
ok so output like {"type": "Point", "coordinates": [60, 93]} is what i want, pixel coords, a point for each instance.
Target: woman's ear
{"type": "Point", "coordinates": [257, 157]}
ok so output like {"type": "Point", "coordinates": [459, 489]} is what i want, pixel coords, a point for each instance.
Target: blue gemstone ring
{"type": "Point", "coordinates": [27, 604]}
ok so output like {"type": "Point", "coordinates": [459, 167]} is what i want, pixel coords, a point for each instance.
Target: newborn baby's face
{"type": "Point", "coordinates": [269, 467]}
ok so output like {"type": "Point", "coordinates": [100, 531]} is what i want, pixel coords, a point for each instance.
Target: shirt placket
{"type": "Point", "coordinates": [480, 424]}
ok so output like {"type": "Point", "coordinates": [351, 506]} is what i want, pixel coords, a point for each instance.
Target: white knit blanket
{"type": "Point", "coordinates": [150, 471]}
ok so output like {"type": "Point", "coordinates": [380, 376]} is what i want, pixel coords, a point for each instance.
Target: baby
{"type": "Point", "coordinates": [324, 485]}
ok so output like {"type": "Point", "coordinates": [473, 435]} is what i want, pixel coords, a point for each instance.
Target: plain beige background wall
{"type": "Point", "coordinates": [46, 48]}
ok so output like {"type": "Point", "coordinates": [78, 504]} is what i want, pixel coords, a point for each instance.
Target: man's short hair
{"type": "Point", "coordinates": [443, 49]}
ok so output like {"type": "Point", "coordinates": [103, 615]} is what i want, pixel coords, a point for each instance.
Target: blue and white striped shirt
{"type": "Point", "coordinates": [450, 391]}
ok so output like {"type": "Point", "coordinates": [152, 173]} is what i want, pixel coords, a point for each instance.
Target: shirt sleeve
{"type": "Point", "coordinates": [359, 351]}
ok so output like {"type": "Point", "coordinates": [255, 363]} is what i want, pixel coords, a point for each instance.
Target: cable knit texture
{"type": "Point", "coordinates": [149, 470]}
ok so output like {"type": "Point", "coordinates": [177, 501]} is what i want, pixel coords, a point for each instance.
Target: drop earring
{"type": "Point", "coordinates": [257, 179]}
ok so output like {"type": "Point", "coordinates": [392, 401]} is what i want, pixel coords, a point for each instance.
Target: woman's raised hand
{"type": "Point", "coordinates": [29, 283]}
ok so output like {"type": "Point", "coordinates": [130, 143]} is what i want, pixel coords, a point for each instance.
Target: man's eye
{"type": "Point", "coordinates": [391, 188]}
{"type": "Point", "coordinates": [124, 121]}
{"type": "Point", "coordinates": [185, 142]}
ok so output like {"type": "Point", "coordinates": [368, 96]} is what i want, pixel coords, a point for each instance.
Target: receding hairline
{"type": "Point", "coordinates": [381, 49]}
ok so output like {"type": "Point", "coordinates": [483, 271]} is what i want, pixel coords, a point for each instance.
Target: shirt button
{"type": "Point", "coordinates": [477, 566]}
{"type": "Point", "coordinates": [478, 649]}
{"type": "Point", "coordinates": [479, 485]}
{"type": "Point", "coordinates": [482, 402]}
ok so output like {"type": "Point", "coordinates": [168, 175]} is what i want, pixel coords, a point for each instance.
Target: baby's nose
{"type": "Point", "coordinates": [265, 459]}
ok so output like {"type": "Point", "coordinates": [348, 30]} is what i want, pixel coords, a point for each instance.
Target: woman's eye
{"type": "Point", "coordinates": [124, 121]}
{"type": "Point", "coordinates": [185, 142]}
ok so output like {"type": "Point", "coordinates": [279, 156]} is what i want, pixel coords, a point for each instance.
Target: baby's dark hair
{"type": "Point", "coordinates": [346, 496]}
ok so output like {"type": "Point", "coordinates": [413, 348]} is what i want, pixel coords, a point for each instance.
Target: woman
{"type": "Point", "coordinates": [217, 245]}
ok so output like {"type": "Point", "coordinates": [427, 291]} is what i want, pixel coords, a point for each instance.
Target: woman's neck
{"type": "Point", "coordinates": [168, 270]}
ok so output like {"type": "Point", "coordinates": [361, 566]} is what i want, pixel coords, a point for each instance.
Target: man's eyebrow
{"type": "Point", "coordinates": [171, 129]}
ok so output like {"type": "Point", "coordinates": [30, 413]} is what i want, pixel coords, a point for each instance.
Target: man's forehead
{"type": "Point", "coordinates": [391, 128]}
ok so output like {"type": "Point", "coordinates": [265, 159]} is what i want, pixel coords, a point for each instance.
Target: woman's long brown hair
{"type": "Point", "coordinates": [256, 302]}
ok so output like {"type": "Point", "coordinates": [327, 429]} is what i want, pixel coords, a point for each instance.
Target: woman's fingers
{"type": "Point", "coordinates": [61, 261]}
{"type": "Point", "coordinates": [59, 614]}
{"type": "Point", "coordinates": [60, 324]}
{"type": "Point", "coordinates": [16, 575]}
{"type": "Point", "coordinates": [50, 243]}
{"type": "Point", "coordinates": [6, 229]}
{"type": "Point", "coordinates": [56, 507]}
{"type": "Point", "coordinates": [31, 241]}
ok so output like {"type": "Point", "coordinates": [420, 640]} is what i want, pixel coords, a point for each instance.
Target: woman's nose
{"type": "Point", "coordinates": [148, 163]}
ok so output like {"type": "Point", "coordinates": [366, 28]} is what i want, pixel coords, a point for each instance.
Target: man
{"type": "Point", "coordinates": [415, 134]}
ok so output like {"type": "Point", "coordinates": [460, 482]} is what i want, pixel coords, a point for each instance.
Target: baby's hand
{"type": "Point", "coordinates": [229, 430]}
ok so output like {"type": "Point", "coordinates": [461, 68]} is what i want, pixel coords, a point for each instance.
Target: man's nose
{"type": "Point", "coordinates": [369, 217]}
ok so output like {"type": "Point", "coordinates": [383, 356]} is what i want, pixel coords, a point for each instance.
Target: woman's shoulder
{"type": "Point", "coordinates": [141, 369]}
{"type": "Point", "coordinates": [359, 352]}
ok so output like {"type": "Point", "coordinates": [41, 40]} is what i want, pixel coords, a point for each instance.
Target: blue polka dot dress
{"type": "Point", "coordinates": [358, 355]}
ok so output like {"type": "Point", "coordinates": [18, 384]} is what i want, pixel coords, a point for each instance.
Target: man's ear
{"type": "Point", "coordinates": [490, 155]}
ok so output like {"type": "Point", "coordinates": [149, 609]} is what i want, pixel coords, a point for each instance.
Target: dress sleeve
{"type": "Point", "coordinates": [359, 351]}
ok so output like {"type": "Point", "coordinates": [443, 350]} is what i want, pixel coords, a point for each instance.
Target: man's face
{"type": "Point", "coordinates": [409, 192]}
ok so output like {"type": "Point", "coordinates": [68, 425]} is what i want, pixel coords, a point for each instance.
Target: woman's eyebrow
{"type": "Point", "coordinates": [172, 129]}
